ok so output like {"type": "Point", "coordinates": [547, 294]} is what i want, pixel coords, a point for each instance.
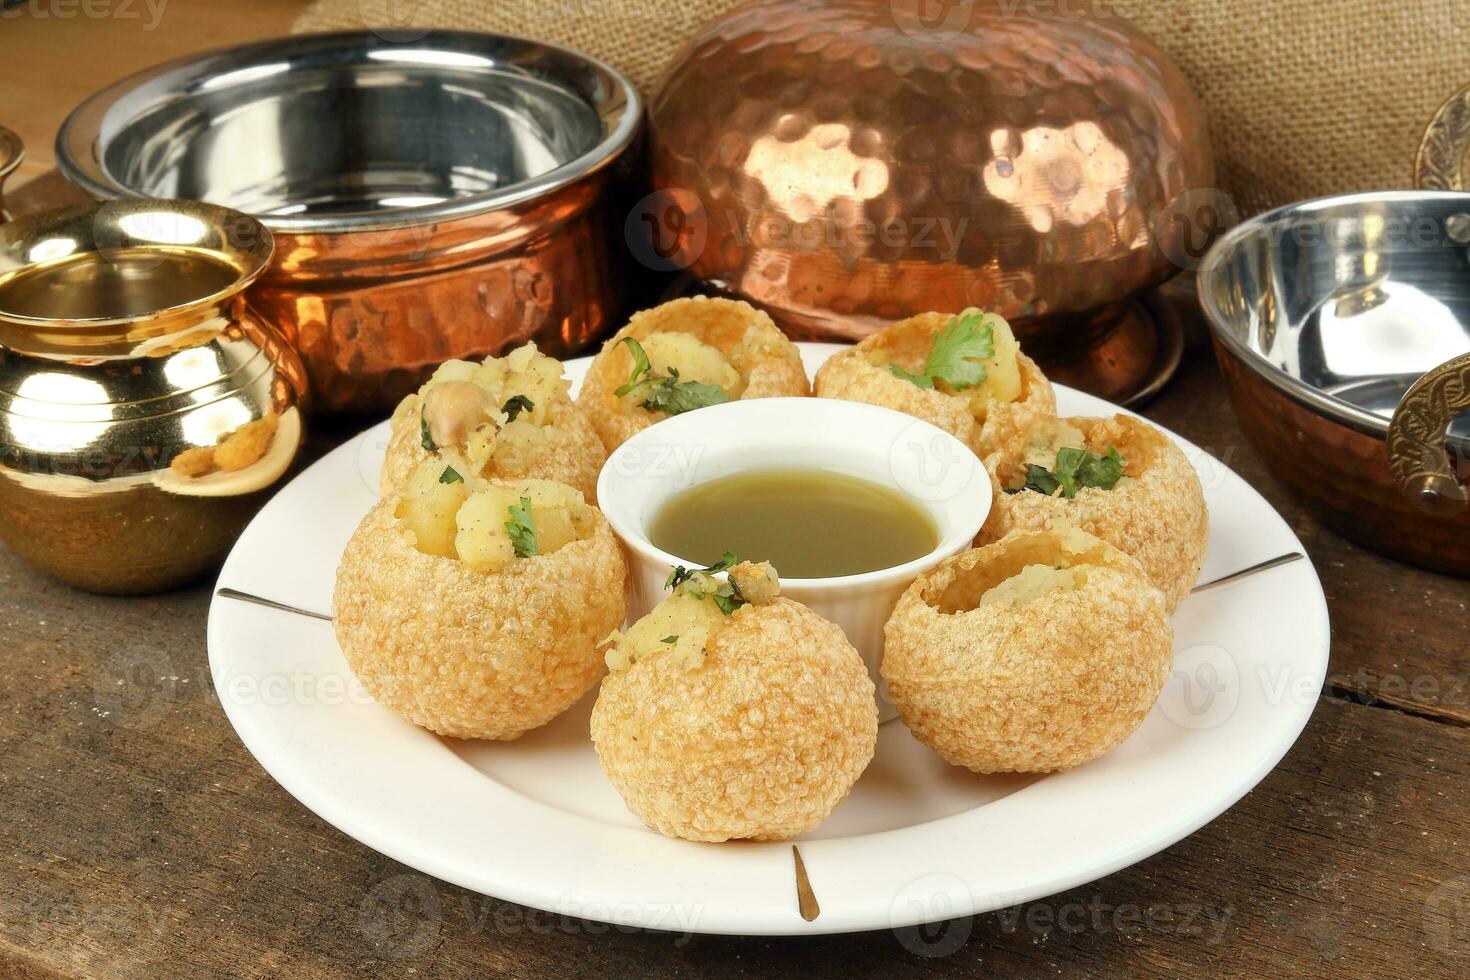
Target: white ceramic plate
{"type": "Point", "coordinates": [535, 822]}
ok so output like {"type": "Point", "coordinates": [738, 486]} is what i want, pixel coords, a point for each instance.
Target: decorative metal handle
{"type": "Point", "coordinates": [12, 152]}
{"type": "Point", "coordinates": [1443, 163]}
{"type": "Point", "coordinates": [1416, 439]}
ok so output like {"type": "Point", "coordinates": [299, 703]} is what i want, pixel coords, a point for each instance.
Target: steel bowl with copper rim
{"type": "Point", "coordinates": [847, 163]}
{"type": "Point", "coordinates": [447, 197]}
{"type": "Point", "coordinates": [1342, 327]}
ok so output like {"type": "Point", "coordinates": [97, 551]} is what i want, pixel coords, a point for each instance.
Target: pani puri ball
{"type": "Point", "coordinates": [510, 417]}
{"type": "Point", "coordinates": [700, 351]}
{"type": "Point", "coordinates": [984, 415]}
{"type": "Point", "coordinates": [476, 609]}
{"type": "Point", "coordinates": [748, 723]}
{"type": "Point", "coordinates": [1155, 512]}
{"type": "Point", "coordinates": [1036, 653]}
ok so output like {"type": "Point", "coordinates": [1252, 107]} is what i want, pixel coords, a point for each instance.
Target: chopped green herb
{"type": "Point", "coordinates": [680, 574]}
{"type": "Point", "coordinates": [450, 475]}
{"type": "Point", "coordinates": [425, 439]}
{"type": "Point", "coordinates": [522, 528]}
{"type": "Point", "coordinates": [1075, 469]}
{"type": "Point", "coordinates": [517, 405]}
{"type": "Point", "coordinates": [697, 584]}
{"type": "Point", "coordinates": [671, 638]}
{"type": "Point", "coordinates": [666, 393]}
{"type": "Point", "coordinates": [957, 352]}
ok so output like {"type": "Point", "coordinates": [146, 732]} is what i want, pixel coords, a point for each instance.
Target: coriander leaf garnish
{"type": "Point", "coordinates": [697, 584]}
{"type": "Point", "coordinates": [680, 574]}
{"type": "Point", "coordinates": [515, 406]}
{"type": "Point", "coordinates": [671, 638]}
{"type": "Point", "coordinates": [956, 353]}
{"type": "Point", "coordinates": [666, 393]}
{"type": "Point", "coordinates": [522, 528]}
{"type": "Point", "coordinates": [1076, 469]}
{"type": "Point", "coordinates": [450, 475]}
{"type": "Point", "coordinates": [425, 439]}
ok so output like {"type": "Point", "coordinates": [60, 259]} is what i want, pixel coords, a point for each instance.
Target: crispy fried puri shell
{"type": "Point", "coordinates": [771, 366]}
{"type": "Point", "coordinates": [850, 375]}
{"type": "Point", "coordinates": [475, 654]}
{"type": "Point", "coordinates": [572, 454]}
{"type": "Point", "coordinates": [1158, 515]}
{"type": "Point", "coordinates": [1036, 687]}
{"type": "Point", "coordinates": [760, 741]}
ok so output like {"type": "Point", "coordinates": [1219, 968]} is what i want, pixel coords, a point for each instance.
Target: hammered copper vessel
{"type": "Point", "coordinates": [145, 411]}
{"type": "Point", "coordinates": [448, 197]}
{"type": "Point", "coordinates": [847, 163]}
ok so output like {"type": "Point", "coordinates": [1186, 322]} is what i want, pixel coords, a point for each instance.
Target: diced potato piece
{"type": "Point", "coordinates": [559, 513]}
{"type": "Point", "coordinates": [757, 581]}
{"type": "Point", "coordinates": [693, 359]}
{"type": "Point", "coordinates": [428, 507]}
{"type": "Point", "coordinates": [691, 622]}
{"type": "Point", "coordinates": [481, 539]}
{"type": "Point", "coordinates": [1002, 373]}
{"type": "Point", "coordinates": [516, 447]}
{"type": "Point", "coordinates": [1032, 582]}
{"type": "Point", "coordinates": [1047, 437]}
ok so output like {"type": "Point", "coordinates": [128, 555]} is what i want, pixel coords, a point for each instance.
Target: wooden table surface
{"type": "Point", "coordinates": [138, 838]}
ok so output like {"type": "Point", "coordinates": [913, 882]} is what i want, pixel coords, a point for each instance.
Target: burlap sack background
{"type": "Point", "coordinates": [1306, 97]}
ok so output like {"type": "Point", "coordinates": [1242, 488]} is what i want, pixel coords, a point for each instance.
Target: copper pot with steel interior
{"type": "Point", "coordinates": [444, 197]}
{"type": "Point", "coordinates": [145, 411]}
{"type": "Point", "coordinates": [848, 163]}
{"type": "Point", "coordinates": [1342, 327]}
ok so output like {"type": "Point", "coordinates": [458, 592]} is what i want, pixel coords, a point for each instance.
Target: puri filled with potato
{"type": "Point", "coordinates": [733, 712]}
{"type": "Point", "coordinates": [684, 355]}
{"type": "Point", "coordinates": [509, 418]}
{"type": "Point", "coordinates": [1036, 653]}
{"type": "Point", "coordinates": [1118, 478]}
{"type": "Point", "coordinates": [964, 373]}
{"type": "Point", "coordinates": [475, 608]}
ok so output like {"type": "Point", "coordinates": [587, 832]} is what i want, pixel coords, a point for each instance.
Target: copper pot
{"type": "Point", "coordinates": [1342, 327]}
{"type": "Point", "coordinates": [847, 163]}
{"type": "Point", "coordinates": [443, 198]}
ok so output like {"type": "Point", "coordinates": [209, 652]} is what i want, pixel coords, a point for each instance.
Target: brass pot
{"type": "Point", "coordinates": [145, 411]}
{"type": "Point", "coordinates": [847, 163]}
{"type": "Point", "coordinates": [445, 198]}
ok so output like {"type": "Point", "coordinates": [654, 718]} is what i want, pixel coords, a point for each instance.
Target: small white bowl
{"type": "Point", "coordinates": [922, 462]}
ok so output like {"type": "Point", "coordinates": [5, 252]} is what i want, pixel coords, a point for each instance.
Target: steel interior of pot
{"type": "Point", "coordinates": [1344, 303]}
{"type": "Point", "coordinates": [338, 132]}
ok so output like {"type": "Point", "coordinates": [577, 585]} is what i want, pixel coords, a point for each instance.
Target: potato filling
{"type": "Point", "coordinates": [496, 412]}
{"type": "Point", "coordinates": [700, 606]}
{"type": "Point", "coordinates": [1033, 582]}
{"type": "Point", "coordinates": [974, 358]}
{"type": "Point", "coordinates": [488, 525]}
{"type": "Point", "coordinates": [693, 360]}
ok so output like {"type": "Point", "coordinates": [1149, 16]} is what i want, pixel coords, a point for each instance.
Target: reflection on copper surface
{"type": "Point", "coordinates": [852, 167]}
{"type": "Point", "coordinates": [1056, 174]}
